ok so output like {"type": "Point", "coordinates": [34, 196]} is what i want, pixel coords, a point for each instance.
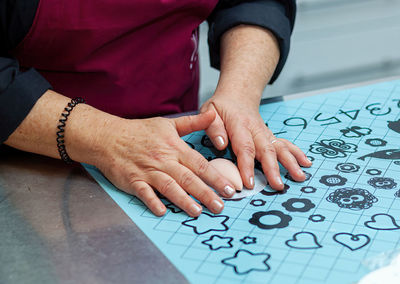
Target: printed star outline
{"type": "Point", "coordinates": [242, 264]}
{"type": "Point", "coordinates": [197, 227]}
{"type": "Point", "coordinates": [248, 240]}
{"type": "Point", "coordinates": [218, 245]}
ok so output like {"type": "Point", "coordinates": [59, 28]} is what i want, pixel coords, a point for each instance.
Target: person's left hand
{"type": "Point", "coordinates": [240, 121]}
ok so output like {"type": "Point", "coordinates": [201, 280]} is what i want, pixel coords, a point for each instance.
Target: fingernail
{"type": "Point", "coordinates": [229, 190]}
{"type": "Point", "coordinates": [160, 209]}
{"type": "Point", "coordinates": [279, 180]}
{"type": "Point", "coordinates": [251, 180]}
{"type": "Point", "coordinates": [195, 209]}
{"type": "Point", "coordinates": [220, 141]}
{"type": "Point", "coordinates": [300, 172]}
{"type": "Point", "coordinates": [217, 206]}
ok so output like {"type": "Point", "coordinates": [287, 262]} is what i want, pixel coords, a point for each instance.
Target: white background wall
{"type": "Point", "coordinates": [334, 42]}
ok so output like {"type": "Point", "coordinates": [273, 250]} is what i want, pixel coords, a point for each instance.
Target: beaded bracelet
{"type": "Point", "coordinates": [60, 133]}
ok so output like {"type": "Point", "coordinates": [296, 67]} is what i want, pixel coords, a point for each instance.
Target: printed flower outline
{"type": "Point", "coordinates": [316, 218]}
{"type": "Point", "coordinates": [258, 202]}
{"type": "Point", "coordinates": [283, 222]}
{"type": "Point", "coordinates": [308, 189]}
{"type": "Point", "coordinates": [352, 198]}
{"type": "Point", "coordinates": [382, 182]}
{"type": "Point", "coordinates": [307, 205]}
{"type": "Point", "coordinates": [347, 167]}
{"type": "Point", "coordinates": [333, 180]}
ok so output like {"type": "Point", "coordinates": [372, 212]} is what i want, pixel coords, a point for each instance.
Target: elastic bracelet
{"type": "Point", "coordinates": [60, 133]}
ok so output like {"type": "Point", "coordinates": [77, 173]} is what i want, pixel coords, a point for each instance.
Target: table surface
{"type": "Point", "coordinates": [58, 226]}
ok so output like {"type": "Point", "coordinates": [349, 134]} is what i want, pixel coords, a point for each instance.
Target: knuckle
{"type": "Point", "coordinates": [157, 155]}
{"type": "Point", "coordinates": [172, 142]}
{"type": "Point", "coordinates": [204, 196]}
{"type": "Point", "coordinates": [132, 179]}
{"type": "Point", "coordinates": [202, 166]}
{"type": "Point", "coordinates": [186, 179]}
{"type": "Point", "coordinates": [259, 132]}
{"type": "Point", "coordinates": [269, 150]}
{"type": "Point", "coordinates": [283, 147]}
{"type": "Point", "coordinates": [167, 187]}
{"type": "Point", "coordinates": [248, 149]}
{"type": "Point", "coordinates": [140, 192]}
{"type": "Point", "coordinates": [284, 141]}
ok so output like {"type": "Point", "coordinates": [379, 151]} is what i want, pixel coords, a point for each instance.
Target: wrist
{"type": "Point", "coordinates": [249, 55]}
{"type": "Point", "coordinates": [245, 97]}
{"type": "Point", "coordinates": [87, 134]}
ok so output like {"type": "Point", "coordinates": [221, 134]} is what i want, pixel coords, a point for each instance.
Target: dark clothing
{"type": "Point", "coordinates": [20, 89]}
{"type": "Point", "coordinates": [276, 16]}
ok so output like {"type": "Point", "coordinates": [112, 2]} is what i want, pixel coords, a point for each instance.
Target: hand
{"type": "Point", "coordinates": [144, 155]}
{"type": "Point", "coordinates": [240, 121]}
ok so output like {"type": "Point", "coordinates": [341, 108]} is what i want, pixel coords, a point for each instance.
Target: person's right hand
{"type": "Point", "coordinates": [144, 155]}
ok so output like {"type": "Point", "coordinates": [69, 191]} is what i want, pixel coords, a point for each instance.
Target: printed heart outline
{"type": "Point", "coordinates": [354, 238]}
{"type": "Point", "coordinates": [373, 220]}
{"type": "Point", "coordinates": [295, 239]}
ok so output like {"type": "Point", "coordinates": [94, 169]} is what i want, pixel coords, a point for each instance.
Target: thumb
{"type": "Point", "coordinates": [216, 131]}
{"type": "Point", "coordinates": [191, 123]}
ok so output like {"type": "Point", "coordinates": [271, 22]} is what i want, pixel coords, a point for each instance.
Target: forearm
{"type": "Point", "coordinates": [249, 55]}
{"type": "Point", "coordinates": [83, 131]}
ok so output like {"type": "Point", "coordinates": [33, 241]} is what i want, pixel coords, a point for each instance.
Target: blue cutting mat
{"type": "Point", "coordinates": [323, 230]}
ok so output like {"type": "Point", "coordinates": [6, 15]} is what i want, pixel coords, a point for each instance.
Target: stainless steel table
{"type": "Point", "coordinates": [58, 226]}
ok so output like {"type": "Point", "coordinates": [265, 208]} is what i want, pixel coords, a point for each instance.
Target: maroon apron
{"type": "Point", "coordinates": [131, 58]}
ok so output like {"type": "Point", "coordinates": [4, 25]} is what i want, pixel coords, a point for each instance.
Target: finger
{"type": "Point", "coordinates": [298, 154]}
{"type": "Point", "coordinates": [147, 195]}
{"type": "Point", "coordinates": [243, 147]}
{"type": "Point", "coordinates": [191, 123]}
{"type": "Point", "coordinates": [267, 156]}
{"type": "Point", "coordinates": [194, 161]}
{"type": "Point", "coordinates": [287, 160]}
{"type": "Point", "coordinates": [216, 131]}
{"type": "Point", "coordinates": [196, 187]}
{"type": "Point", "coordinates": [168, 187]}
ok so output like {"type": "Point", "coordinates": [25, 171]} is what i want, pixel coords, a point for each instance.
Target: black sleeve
{"type": "Point", "coordinates": [19, 91]}
{"type": "Point", "coordinates": [275, 15]}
